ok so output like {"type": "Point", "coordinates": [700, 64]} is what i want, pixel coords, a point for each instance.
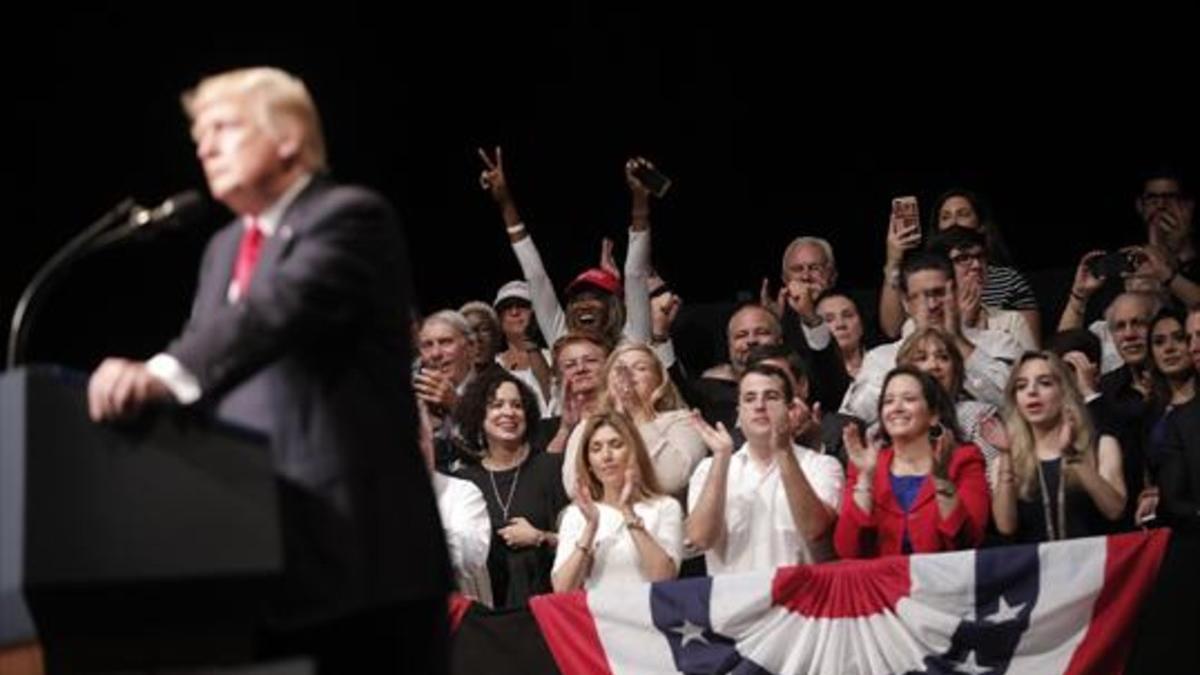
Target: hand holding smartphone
{"type": "Point", "coordinates": [650, 178]}
{"type": "Point", "coordinates": [906, 222]}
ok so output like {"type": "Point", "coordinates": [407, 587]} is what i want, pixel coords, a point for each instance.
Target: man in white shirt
{"type": "Point", "coordinates": [927, 284]}
{"type": "Point", "coordinates": [772, 502]}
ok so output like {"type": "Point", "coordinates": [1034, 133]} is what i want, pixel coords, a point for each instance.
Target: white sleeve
{"type": "Point", "coordinates": [862, 397]}
{"type": "Point", "coordinates": [985, 377]}
{"type": "Point", "coordinates": [569, 475]}
{"type": "Point", "coordinates": [665, 351]}
{"type": "Point", "coordinates": [668, 529]}
{"type": "Point", "coordinates": [183, 385]}
{"type": "Point", "coordinates": [469, 535]}
{"type": "Point", "coordinates": [818, 336]}
{"type": "Point", "coordinates": [827, 479]}
{"type": "Point", "coordinates": [546, 308]}
{"type": "Point", "coordinates": [1110, 358]}
{"type": "Point", "coordinates": [696, 483]}
{"type": "Point", "coordinates": [569, 531]}
{"type": "Point", "coordinates": [637, 295]}
{"type": "Point", "coordinates": [1022, 333]}
{"type": "Point", "coordinates": [675, 448]}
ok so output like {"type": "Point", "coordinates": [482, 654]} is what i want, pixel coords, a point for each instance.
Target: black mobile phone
{"type": "Point", "coordinates": [654, 180]}
{"type": "Point", "coordinates": [1111, 265]}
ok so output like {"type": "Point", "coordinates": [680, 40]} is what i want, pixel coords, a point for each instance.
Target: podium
{"type": "Point", "coordinates": [138, 547]}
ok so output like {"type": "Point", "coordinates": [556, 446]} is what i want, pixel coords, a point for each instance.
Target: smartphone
{"type": "Point", "coordinates": [1111, 265]}
{"type": "Point", "coordinates": [654, 180]}
{"type": "Point", "coordinates": [906, 210]}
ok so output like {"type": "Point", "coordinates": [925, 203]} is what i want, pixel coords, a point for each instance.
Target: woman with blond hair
{"type": "Point", "coordinates": [636, 384]}
{"type": "Point", "coordinates": [621, 527]}
{"type": "Point", "coordinates": [1055, 477]}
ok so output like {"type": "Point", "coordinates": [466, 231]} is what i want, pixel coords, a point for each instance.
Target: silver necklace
{"type": "Point", "coordinates": [505, 505]}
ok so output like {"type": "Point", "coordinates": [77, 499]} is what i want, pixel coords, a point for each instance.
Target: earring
{"type": "Point", "coordinates": [936, 431]}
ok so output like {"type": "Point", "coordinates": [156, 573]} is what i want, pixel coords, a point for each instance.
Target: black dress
{"type": "Point", "coordinates": [1083, 519]}
{"type": "Point", "coordinates": [538, 497]}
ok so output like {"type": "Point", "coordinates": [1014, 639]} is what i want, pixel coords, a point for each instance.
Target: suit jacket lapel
{"type": "Point", "coordinates": [293, 219]}
{"type": "Point", "coordinates": [215, 291]}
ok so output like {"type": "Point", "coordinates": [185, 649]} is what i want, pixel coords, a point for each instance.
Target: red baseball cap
{"type": "Point", "coordinates": [596, 278]}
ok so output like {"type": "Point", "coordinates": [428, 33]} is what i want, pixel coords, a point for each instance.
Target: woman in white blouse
{"type": "Point", "coordinates": [638, 386]}
{"type": "Point", "coordinates": [620, 528]}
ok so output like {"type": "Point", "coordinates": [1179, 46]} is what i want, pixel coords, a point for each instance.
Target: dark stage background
{"type": "Point", "coordinates": [771, 126]}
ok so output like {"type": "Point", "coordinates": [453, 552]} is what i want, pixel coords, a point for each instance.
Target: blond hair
{"type": "Point", "coordinates": [664, 397]}
{"type": "Point", "coordinates": [277, 102]}
{"type": "Point", "coordinates": [1024, 450]}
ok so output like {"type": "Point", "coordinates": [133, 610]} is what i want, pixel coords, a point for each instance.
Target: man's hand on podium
{"type": "Point", "coordinates": [121, 388]}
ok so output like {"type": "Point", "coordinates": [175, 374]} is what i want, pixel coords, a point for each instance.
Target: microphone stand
{"type": "Point", "coordinates": [88, 241]}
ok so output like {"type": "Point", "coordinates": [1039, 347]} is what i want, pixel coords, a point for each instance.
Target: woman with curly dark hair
{"type": "Point", "coordinates": [521, 485]}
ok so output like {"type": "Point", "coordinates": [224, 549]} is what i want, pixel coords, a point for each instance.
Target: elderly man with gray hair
{"type": "Point", "coordinates": [808, 270]}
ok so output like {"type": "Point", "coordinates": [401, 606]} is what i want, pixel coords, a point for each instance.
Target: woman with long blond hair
{"type": "Point", "coordinates": [636, 384]}
{"type": "Point", "coordinates": [1054, 477]}
{"type": "Point", "coordinates": [621, 527]}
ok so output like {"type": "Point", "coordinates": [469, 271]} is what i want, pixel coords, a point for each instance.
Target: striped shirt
{"type": "Point", "coordinates": [1006, 288]}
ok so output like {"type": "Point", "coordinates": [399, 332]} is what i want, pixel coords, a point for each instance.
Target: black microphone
{"type": "Point", "coordinates": [175, 211]}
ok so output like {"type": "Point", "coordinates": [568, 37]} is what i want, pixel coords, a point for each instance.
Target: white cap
{"type": "Point", "coordinates": [513, 289]}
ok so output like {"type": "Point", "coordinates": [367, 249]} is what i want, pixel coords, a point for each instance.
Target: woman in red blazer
{"type": "Point", "coordinates": [923, 492]}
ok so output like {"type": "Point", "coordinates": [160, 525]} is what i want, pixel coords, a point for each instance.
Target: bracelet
{"type": "Point", "coordinates": [635, 523]}
{"type": "Point", "coordinates": [659, 339]}
{"type": "Point", "coordinates": [585, 550]}
{"type": "Point", "coordinates": [891, 276]}
{"type": "Point", "coordinates": [516, 229]}
{"type": "Point", "coordinates": [1078, 296]}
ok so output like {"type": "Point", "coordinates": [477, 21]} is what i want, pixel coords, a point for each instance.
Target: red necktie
{"type": "Point", "coordinates": [247, 257]}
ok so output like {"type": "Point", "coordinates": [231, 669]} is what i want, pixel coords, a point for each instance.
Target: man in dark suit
{"type": "Point", "coordinates": [300, 329]}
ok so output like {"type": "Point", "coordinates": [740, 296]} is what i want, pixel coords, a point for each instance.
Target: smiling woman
{"type": "Point", "coordinates": [519, 484]}
{"type": "Point", "coordinates": [924, 491]}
